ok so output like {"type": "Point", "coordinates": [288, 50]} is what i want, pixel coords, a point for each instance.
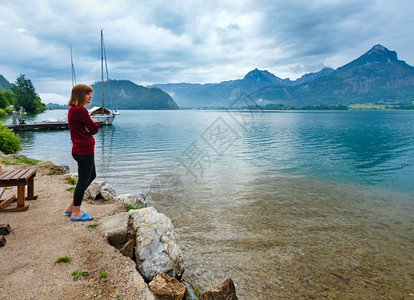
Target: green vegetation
{"type": "Point", "coordinates": [64, 259]}
{"type": "Point", "coordinates": [103, 274]}
{"type": "Point", "coordinates": [280, 106]}
{"type": "Point", "coordinates": [78, 273]}
{"type": "Point", "coordinates": [56, 106]}
{"type": "Point", "coordinates": [381, 106]}
{"type": "Point", "coordinates": [28, 161]}
{"type": "Point", "coordinates": [368, 106]}
{"type": "Point", "coordinates": [71, 180]}
{"type": "Point", "coordinates": [71, 189]}
{"type": "Point", "coordinates": [9, 142]}
{"type": "Point", "coordinates": [19, 159]}
{"type": "Point", "coordinates": [92, 226]}
{"type": "Point", "coordinates": [26, 96]}
{"type": "Point", "coordinates": [7, 98]}
{"type": "Point", "coordinates": [128, 207]}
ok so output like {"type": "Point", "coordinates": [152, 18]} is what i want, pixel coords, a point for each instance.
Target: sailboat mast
{"type": "Point", "coordinates": [73, 68]}
{"type": "Point", "coordinates": [102, 78]}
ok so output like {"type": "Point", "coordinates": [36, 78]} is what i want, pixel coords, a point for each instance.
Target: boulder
{"type": "Point", "coordinates": [107, 192]}
{"type": "Point", "coordinates": [157, 250]}
{"type": "Point", "coordinates": [225, 291]}
{"type": "Point", "coordinates": [165, 287]}
{"type": "Point", "coordinates": [115, 228]}
{"type": "Point", "coordinates": [93, 190]}
{"type": "Point", "coordinates": [137, 200]}
{"type": "Point", "coordinates": [100, 190]}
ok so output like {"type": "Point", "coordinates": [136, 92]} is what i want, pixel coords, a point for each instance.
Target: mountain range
{"type": "Point", "coordinates": [375, 77]}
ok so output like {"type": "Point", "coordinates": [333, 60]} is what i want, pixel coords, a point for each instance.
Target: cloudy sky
{"type": "Point", "coordinates": [192, 41]}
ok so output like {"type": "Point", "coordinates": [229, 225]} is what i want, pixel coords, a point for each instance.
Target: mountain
{"type": "Point", "coordinates": [375, 77]}
{"type": "Point", "coordinates": [4, 84]}
{"type": "Point", "coordinates": [223, 93]}
{"type": "Point", "coordinates": [124, 94]}
{"type": "Point", "coordinates": [312, 76]}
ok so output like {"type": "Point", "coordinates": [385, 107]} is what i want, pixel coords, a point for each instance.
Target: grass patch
{"type": "Point", "coordinates": [71, 189]}
{"type": "Point", "coordinates": [16, 160]}
{"type": "Point", "coordinates": [78, 273]}
{"type": "Point", "coordinates": [63, 259]}
{"type": "Point", "coordinates": [6, 161]}
{"type": "Point", "coordinates": [103, 274]}
{"type": "Point", "coordinates": [128, 207]}
{"type": "Point", "coordinates": [28, 161]}
{"type": "Point", "coordinates": [71, 180]}
{"type": "Point", "coordinates": [92, 226]}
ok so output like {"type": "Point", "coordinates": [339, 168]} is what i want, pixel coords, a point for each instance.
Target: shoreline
{"type": "Point", "coordinates": [43, 233]}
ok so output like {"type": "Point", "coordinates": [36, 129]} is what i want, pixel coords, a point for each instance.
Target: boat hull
{"type": "Point", "coordinates": [103, 119]}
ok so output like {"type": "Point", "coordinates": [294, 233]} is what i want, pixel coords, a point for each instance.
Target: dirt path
{"type": "Point", "coordinates": [43, 233]}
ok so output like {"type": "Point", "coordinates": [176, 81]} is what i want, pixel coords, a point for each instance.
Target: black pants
{"type": "Point", "coordinates": [86, 174]}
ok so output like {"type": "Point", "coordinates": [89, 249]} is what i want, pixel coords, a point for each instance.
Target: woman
{"type": "Point", "coordinates": [81, 129]}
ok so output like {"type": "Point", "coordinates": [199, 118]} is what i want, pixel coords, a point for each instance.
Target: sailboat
{"type": "Point", "coordinates": [101, 115]}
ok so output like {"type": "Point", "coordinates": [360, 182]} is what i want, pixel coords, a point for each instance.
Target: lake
{"type": "Point", "coordinates": [289, 204]}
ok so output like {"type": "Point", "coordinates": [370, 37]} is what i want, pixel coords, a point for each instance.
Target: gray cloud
{"type": "Point", "coordinates": [194, 41]}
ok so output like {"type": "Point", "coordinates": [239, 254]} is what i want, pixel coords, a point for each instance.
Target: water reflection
{"type": "Point", "coordinates": [354, 146]}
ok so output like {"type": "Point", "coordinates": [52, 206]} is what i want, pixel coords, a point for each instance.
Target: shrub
{"type": "Point", "coordinates": [8, 110]}
{"type": "Point", "coordinates": [2, 112]}
{"type": "Point", "coordinates": [9, 142]}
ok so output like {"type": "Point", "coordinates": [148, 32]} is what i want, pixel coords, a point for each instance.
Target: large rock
{"type": "Point", "coordinates": [157, 250]}
{"type": "Point", "coordinates": [100, 190]}
{"type": "Point", "coordinates": [165, 287]}
{"type": "Point", "coordinates": [225, 291]}
{"type": "Point", "coordinates": [115, 228]}
{"type": "Point", "coordinates": [137, 200]}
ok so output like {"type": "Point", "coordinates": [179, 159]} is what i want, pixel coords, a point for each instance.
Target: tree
{"type": "Point", "coordinates": [26, 96]}
{"type": "Point", "coordinates": [6, 98]}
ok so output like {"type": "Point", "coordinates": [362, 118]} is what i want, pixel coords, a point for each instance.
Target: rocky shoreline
{"type": "Point", "coordinates": [148, 263]}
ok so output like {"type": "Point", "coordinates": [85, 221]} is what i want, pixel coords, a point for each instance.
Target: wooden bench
{"type": "Point", "coordinates": [19, 178]}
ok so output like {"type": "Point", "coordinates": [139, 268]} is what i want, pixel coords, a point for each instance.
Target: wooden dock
{"type": "Point", "coordinates": [40, 126]}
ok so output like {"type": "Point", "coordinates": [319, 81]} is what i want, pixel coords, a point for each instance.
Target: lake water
{"type": "Point", "coordinates": [289, 204]}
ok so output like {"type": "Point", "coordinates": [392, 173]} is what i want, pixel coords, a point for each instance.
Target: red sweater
{"type": "Point", "coordinates": [82, 140]}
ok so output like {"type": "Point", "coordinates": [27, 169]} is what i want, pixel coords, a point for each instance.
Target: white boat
{"type": "Point", "coordinates": [102, 115]}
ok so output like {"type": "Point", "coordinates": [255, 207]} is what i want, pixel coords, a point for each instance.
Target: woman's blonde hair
{"type": "Point", "coordinates": [78, 94]}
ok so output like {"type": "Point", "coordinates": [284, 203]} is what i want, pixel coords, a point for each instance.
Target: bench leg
{"type": "Point", "coordinates": [20, 195]}
{"type": "Point", "coordinates": [30, 189]}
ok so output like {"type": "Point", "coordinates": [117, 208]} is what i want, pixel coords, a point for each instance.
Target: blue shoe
{"type": "Point", "coordinates": [84, 217]}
